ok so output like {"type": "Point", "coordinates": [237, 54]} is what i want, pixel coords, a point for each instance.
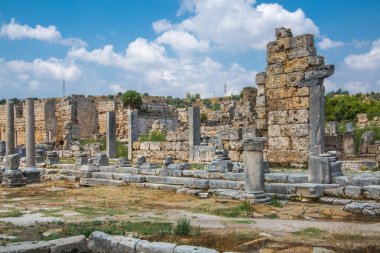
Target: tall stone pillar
{"type": "Point", "coordinates": [30, 133]}
{"type": "Point", "coordinates": [111, 134]}
{"type": "Point", "coordinates": [31, 172]}
{"type": "Point", "coordinates": [194, 130]}
{"type": "Point", "coordinates": [133, 134]}
{"type": "Point", "coordinates": [10, 129]}
{"type": "Point", "coordinates": [253, 159]}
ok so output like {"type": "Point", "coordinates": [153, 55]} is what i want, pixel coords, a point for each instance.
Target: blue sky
{"type": "Point", "coordinates": [171, 47]}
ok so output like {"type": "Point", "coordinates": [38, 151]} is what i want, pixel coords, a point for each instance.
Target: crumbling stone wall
{"type": "Point", "coordinates": [282, 105]}
{"type": "Point", "coordinates": [363, 121]}
{"type": "Point", "coordinates": [44, 120]}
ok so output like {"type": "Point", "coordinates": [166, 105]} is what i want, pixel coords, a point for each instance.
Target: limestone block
{"type": "Point", "coordinates": [277, 117]}
{"type": "Point", "coordinates": [298, 116]}
{"type": "Point", "coordinates": [136, 145]}
{"type": "Point", "coordinates": [12, 161]}
{"type": "Point", "coordinates": [165, 146]}
{"type": "Point", "coordinates": [261, 123]}
{"type": "Point", "coordinates": [260, 101]}
{"type": "Point", "coordinates": [232, 134]}
{"type": "Point", "coordinates": [274, 47]}
{"type": "Point", "coordinates": [154, 145]}
{"type": "Point", "coordinates": [260, 89]}
{"type": "Point", "coordinates": [286, 156]}
{"type": "Point", "coordinates": [364, 180]}
{"type": "Point", "coordinates": [372, 192]}
{"type": "Point", "coordinates": [275, 81]}
{"type": "Point", "coordinates": [316, 61]}
{"type": "Point", "coordinates": [176, 146]}
{"type": "Point", "coordinates": [276, 105]}
{"type": "Point", "coordinates": [193, 249]}
{"type": "Point", "coordinates": [295, 130]}
{"type": "Point", "coordinates": [100, 242]}
{"type": "Point", "coordinates": [261, 112]}
{"type": "Point", "coordinates": [275, 69]}
{"type": "Point", "coordinates": [372, 149]}
{"type": "Point", "coordinates": [145, 145]}
{"type": "Point", "coordinates": [235, 155]}
{"type": "Point", "coordinates": [353, 191]}
{"type": "Point", "coordinates": [297, 103]}
{"type": "Point", "coordinates": [235, 145]}
{"type": "Point", "coordinates": [273, 58]}
{"type": "Point", "coordinates": [293, 79]}
{"type": "Point", "coordinates": [279, 142]}
{"type": "Point", "coordinates": [362, 118]}
{"type": "Point", "coordinates": [70, 244]}
{"type": "Point", "coordinates": [306, 40]}
{"type": "Point", "coordinates": [274, 130]}
{"type": "Point", "coordinates": [299, 143]}
{"type": "Point", "coordinates": [298, 64]}
{"type": "Point", "coordinates": [260, 78]}
{"type": "Point", "coordinates": [302, 52]}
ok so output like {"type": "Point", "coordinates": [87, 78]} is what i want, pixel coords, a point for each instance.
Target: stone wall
{"type": "Point", "coordinates": [282, 105]}
{"type": "Point", "coordinates": [363, 121]}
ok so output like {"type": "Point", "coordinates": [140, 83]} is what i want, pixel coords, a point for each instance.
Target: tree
{"type": "Point", "coordinates": [204, 117]}
{"type": "Point", "coordinates": [197, 96]}
{"type": "Point", "coordinates": [131, 99]}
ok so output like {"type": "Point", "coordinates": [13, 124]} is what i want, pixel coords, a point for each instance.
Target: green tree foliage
{"type": "Point", "coordinates": [342, 106]}
{"type": "Point", "coordinates": [204, 117]}
{"type": "Point", "coordinates": [216, 107]}
{"type": "Point", "coordinates": [207, 103]}
{"type": "Point", "coordinates": [131, 99]}
{"type": "Point", "coordinates": [177, 102]}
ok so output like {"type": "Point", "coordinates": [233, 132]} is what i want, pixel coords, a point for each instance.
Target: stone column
{"type": "Point", "coordinates": [111, 134]}
{"type": "Point", "coordinates": [10, 129]}
{"type": "Point", "coordinates": [30, 133]}
{"type": "Point", "coordinates": [31, 172]}
{"type": "Point", "coordinates": [194, 130]}
{"type": "Point", "coordinates": [253, 159]}
{"type": "Point", "coordinates": [133, 134]}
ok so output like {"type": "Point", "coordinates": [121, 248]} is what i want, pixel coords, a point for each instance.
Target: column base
{"type": "Point", "coordinates": [257, 197]}
{"type": "Point", "coordinates": [32, 175]}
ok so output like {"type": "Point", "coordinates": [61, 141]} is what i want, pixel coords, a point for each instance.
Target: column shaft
{"type": "Point", "coordinates": [10, 134]}
{"type": "Point", "coordinates": [30, 133]}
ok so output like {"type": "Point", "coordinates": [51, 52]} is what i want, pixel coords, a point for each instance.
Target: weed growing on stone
{"type": "Point", "coordinates": [310, 231]}
{"type": "Point", "coordinates": [274, 202]}
{"type": "Point", "coordinates": [271, 216]}
{"type": "Point", "coordinates": [183, 227]}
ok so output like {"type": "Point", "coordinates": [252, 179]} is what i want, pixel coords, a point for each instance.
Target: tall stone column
{"type": "Point", "coordinates": [253, 159]}
{"type": "Point", "coordinates": [133, 134]}
{"type": "Point", "coordinates": [30, 133]}
{"type": "Point", "coordinates": [10, 129]}
{"type": "Point", "coordinates": [31, 172]}
{"type": "Point", "coordinates": [111, 134]}
{"type": "Point", "coordinates": [194, 130]}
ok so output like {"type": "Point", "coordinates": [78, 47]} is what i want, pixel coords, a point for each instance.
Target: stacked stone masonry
{"type": "Point", "coordinates": [282, 105]}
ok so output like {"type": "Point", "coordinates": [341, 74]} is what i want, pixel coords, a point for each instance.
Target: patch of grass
{"type": "Point", "coordinates": [53, 236]}
{"type": "Point", "coordinates": [153, 136]}
{"type": "Point", "coordinates": [274, 202]}
{"type": "Point", "coordinates": [93, 211]}
{"type": "Point", "coordinates": [66, 160]}
{"type": "Point", "coordinates": [13, 213]}
{"type": "Point", "coordinates": [183, 227]}
{"type": "Point", "coordinates": [51, 213]}
{"type": "Point", "coordinates": [310, 231]}
{"type": "Point", "coordinates": [245, 221]}
{"type": "Point", "coordinates": [101, 140]}
{"type": "Point", "coordinates": [147, 227]}
{"type": "Point", "coordinates": [243, 209]}
{"type": "Point", "coordinates": [271, 216]}
{"type": "Point", "coordinates": [121, 149]}
{"type": "Point", "coordinates": [197, 166]}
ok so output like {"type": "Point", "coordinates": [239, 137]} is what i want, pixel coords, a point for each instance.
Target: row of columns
{"type": "Point", "coordinates": [30, 131]}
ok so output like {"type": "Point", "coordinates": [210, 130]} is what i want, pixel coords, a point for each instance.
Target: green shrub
{"type": "Point", "coordinates": [183, 227]}
{"type": "Point", "coordinates": [204, 117]}
{"type": "Point", "coordinates": [215, 107]}
{"type": "Point", "coordinates": [131, 99]}
{"type": "Point", "coordinates": [153, 136]}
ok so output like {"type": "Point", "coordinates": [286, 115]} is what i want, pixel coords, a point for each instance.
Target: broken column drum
{"type": "Point", "coordinates": [31, 172]}
{"type": "Point", "coordinates": [254, 170]}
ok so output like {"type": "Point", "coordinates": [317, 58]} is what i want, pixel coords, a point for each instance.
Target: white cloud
{"type": "Point", "coordinates": [327, 43]}
{"type": "Point", "coordinates": [182, 41]}
{"type": "Point", "coordinates": [358, 86]}
{"type": "Point", "coordinates": [162, 25]}
{"type": "Point", "coordinates": [15, 31]}
{"type": "Point", "coordinates": [238, 25]}
{"type": "Point", "coordinates": [116, 88]}
{"type": "Point", "coordinates": [366, 61]}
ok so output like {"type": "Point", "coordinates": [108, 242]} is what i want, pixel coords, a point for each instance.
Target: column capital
{"type": "Point", "coordinates": [255, 144]}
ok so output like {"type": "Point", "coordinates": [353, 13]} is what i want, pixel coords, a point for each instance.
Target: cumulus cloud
{"type": "Point", "coordinates": [237, 25]}
{"type": "Point", "coordinates": [182, 41]}
{"type": "Point", "coordinates": [116, 88]}
{"type": "Point", "coordinates": [15, 31]}
{"type": "Point", "coordinates": [327, 43]}
{"type": "Point", "coordinates": [366, 61]}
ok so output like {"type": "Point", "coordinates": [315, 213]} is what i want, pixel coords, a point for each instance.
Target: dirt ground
{"type": "Point", "coordinates": [57, 209]}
